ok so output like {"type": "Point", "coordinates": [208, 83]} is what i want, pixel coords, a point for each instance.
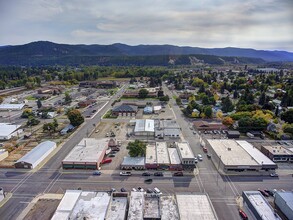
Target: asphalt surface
{"type": "Point", "coordinates": [222, 190]}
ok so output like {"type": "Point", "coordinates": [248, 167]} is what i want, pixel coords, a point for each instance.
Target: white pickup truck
{"type": "Point", "coordinates": [125, 173]}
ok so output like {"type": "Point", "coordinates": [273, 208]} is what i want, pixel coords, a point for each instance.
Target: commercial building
{"type": "Point", "coordinates": [125, 110]}
{"type": "Point", "coordinates": [83, 104]}
{"type": "Point", "coordinates": [12, 107]}
{"type": "Point", "coordinates": [278, 153]}
{"type": "Point", "coordinates": [136, 206]}
{"type": "Point", "coordinates": [195, 206]}
{"type": "Point", "coordinates": [175, 162]}
{"type": "Point", "coordinates": [77, 204]}
{"type": "Point", "coordinates": [136, 163]}
{"type": "Point", "coordinates": [167, 129]}
{"type": "Point", "coordinates": [151, 156]}
{"type": "Point", "coordinates": [98, 84]}
{"type": "Point", "coordinates": [3, 154]}
{"type": "Point", "coordinates": [284, 202]}
{"type": "Point", "coordinates": [151, 208]}
{"type": "Point", "coordinates": [240, 156]}
{"type": "Point", "coordinates": [118, 206]}
{"type": "Point", "coordinates": [88, 154]}
{"type": "Point", "coordinates": [144, 127]}
{"type": "Point", "coordinates": [163, 159]}
{"type": "Point", "coordinates": [201, 125]}
{"type": "Point", "coordinates": [186, 155]}
{"type": "Point", "coordinates": [259, 206]}
{"type": "Point", "coordinates": [33, 158]}
{"type": "Point", "coordinates": [8, 131]}
{"type": "Point", "coordinates": [168, 208]}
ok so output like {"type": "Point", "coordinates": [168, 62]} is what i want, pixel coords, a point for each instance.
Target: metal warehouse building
{"type": "Point", "coordinates": [144, 127]}
{"type": "Point", "coordinates": [88, 154]}
{"type": "Point", "coordinates": [284, 201]}
{"type": "Point", "coordinates": [240, 156]}
{"type": "Point", "coordinates": [36, 155]}
{"type": "Point", "coordinates": [259, 206]}
{"type": "Point", "coordinates": [7, 131]}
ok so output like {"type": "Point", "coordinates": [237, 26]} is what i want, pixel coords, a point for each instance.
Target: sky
{"type": "Point", "coordinates": [259, 24]}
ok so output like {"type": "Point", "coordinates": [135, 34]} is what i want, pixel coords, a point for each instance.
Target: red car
{"type": "Point", "coordinates": [243, 215]}
{"type": "Point", "coordinates": [205, 149]}
{"type": "Point", "coordinates": [108, 160]}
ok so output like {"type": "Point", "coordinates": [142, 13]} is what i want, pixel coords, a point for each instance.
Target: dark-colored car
{"type": "Point", "coordinates": [149, 191]}
{"type": "Point", "coordinates": [264, 193]}
{"type": "Point", "coordinates": [242, 214]}
{"type": "Point", "coordinates": [115, 149]}
{"type": "Point", "coordinates": [209, 156]}
{"type": "Point", "coordinates": [146, 174]}
{"type": "Point", "coordinates": [97, 173]}
{"type": "Point", "coordinates": [111, 155]}
{"type": "Point", "coordinates": [158, 174]}
{"type": "Point", "coordinates": [123, 190]}
{"type": "Point", "coordinates": [270, 192]}
{"type": "Point", "coordinates": [178, 174]}
{"type": "Point", "coordinates": [148, 181]}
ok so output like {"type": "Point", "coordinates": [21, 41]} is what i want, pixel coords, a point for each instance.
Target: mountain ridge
{"type": "Point", "coordinates": [41, 52]}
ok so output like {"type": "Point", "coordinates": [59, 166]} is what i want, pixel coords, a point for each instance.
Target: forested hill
{"type": "Point", "coordinates": [48, 53]}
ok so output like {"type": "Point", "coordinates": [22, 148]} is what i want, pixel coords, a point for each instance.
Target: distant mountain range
{"type": "Point", "coordinates": [48, 53]}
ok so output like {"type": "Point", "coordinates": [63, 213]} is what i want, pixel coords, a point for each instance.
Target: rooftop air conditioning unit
{"type": "Point", "coordinates": [229, 149]}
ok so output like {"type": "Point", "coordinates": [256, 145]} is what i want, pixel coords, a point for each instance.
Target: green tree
{"type": "Point", "coordinates": [39, 103]}
{"type": "Point", "coordinates": [178, 100]}
{"type": "Point", "coordinates": [1, 99]}
{"type": "Point", "coordinates": [164, 98]}
{"type": "Point", "coordinates": [27, 113]}
{"type": "Point", "coordinates": [288, 128]}
{"type": "Point", "coordinates": [208, 112]}
{"type": "Point", "coordinates": [32, 121]}
{"type": "Point", "coordinates": [227, 105]}
{"type": "Point", "coordinates": [262, 99]}
{"type": "Point", "coordinates": [143, 93]}
{"type": "Point", "coordinates": [67, 98]}
{"type": "Point", "coordinates": [287, 116]}
{"type": "Point", "coordinates": [136, 148]}
{"type": "Point", "coordinates": [75, 117]}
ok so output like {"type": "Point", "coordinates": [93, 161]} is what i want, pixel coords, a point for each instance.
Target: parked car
{"type": "Point", "coordinates": [146, 174]}
{"type": "Point", "coordinates": [123, 190]}
{"type": "Point", "coordinates": [111, 155]}
{"type": "Point", "coordinates": [113, 190]}
{"type": "Point", "coordinates": [242, 214]}
{"type": "Point", "coordinates": [140, 189]}
{"type": "Point", "coordinates": [158, 174]}
{"type": "Point", "coordinates": [264, 193]}
{"type": "Point", "coordinates": [195, 160]}
{"type": "Point", "coordinates": [209, 156]}
{"type": "Point", "coordinates": [97, 173]}
{"type": "Point", "coordinates": [115, 149]}
{"type": "Point", "coordinates": [125, 173]}
{"type": "Point", "coordinates": [156, 190]}
{"type": "Point", "coordinates": [108, 160]}
{"type": "Point", "coordinates": [274, 175]}
{"type": "Point", "coordinates": [205, 149]}
{"type": "Point", "coordinates": [134, 190]}
{"type": "Point", "coordinates": [178, 174]}
{"type": "Point", "coordinates": [199, 157]}
{"type": "Point", "coordinates": [149, 191]}
{"type": "Point", "coordinates": [270, 192]}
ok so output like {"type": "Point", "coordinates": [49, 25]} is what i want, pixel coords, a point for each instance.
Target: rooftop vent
{"type": "Point", "coordinates": [229, 149]}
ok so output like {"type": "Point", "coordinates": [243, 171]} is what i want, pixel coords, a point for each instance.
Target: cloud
{"type": "Point", "coordinates": [262, 24]}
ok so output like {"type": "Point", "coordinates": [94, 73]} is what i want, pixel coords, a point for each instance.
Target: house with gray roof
{"type": "Point", "coordinates": [125, 110]}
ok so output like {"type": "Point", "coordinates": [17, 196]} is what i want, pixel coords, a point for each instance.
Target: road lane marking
{"type": "Point", "coordinates": [17, 186]}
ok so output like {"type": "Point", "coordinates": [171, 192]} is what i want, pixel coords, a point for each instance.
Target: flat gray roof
{"type": "Point", "coordinates": [142, 125]}
{"type": "Point", "coordinates": [169, 124]}
{"type": "Point", "coordinates": [174, 156]}
{"type": "Point", "coordinates": [195, 206]}
{"type": "Point", "coordinates": [169, 209]}
{"type": "Point", "coordinates": [231, 153]}
{"type": "Point", "coordinates": [278, 150]}
{"type": "Point", "coordinates": [136, 161]}
{"type": "Point", "coordinates": [162, 153]}
{"type": "Point", "coordinates": [37, 154]}
{"type": "Point", "coordinates": [117, 209]}
{"type": "Point", "coordinates": [151, 208]}
{"type": "Point", "coordinates": [88, 150]}
{"type": "Point", "coordinates": [261, 205]}
{"type": "Point", "coordinates": [287, 197]}
{"type": "Point", "coordinates": [255, 153]}
{"type": "Point", "coordinates": [91, 205]}
{"type": "Point", "coordinates": [184, 150]}
{"type": "Point", "coordinates": [151, 155]}
{"type": "Point", "coordinates": [11, 106]}
{"type": "Point", "coordinates": [136, 206]}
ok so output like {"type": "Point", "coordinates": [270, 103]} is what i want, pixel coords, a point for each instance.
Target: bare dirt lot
{"type": "Point", "coordinates": [44, 209]}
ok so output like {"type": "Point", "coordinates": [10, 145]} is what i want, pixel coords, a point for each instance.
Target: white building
{"type": "Point", "coordinates": [12, 107]}
{"type": "Point", "coordinates": [8, 131]}
{"type": "Point", "coordinates": [36, 155]}
{"type": "Point", "coordinates": [186, 155]}
{"type": "Point", "coordinates": [144, 127]}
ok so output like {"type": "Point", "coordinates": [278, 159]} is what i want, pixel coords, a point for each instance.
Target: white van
{"type": "Point", "coordinates": [157, 190]}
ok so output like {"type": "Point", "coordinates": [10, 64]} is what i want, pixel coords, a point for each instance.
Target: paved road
{"type": "Point", "coordinates": [51, 178]}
